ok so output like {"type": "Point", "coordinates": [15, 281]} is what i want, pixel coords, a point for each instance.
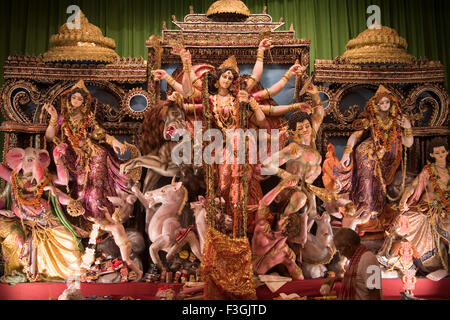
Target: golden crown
{"type": "Point", "coordinates": [382, 91]}
{"type": "Point", "coordinates": [80, 85]}
{"type": "Point", "coordinates": [230, 63]}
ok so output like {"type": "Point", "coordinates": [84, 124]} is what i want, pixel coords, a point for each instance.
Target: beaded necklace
{"type": "Point", "coordinates": [386, 143]}
{"type": "Point", "coordinates": [75, 140]}
{"type": "Point", "coordinates": [18, 190]}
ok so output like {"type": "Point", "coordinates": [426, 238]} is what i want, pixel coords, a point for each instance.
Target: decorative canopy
{"type": "Point", "coordinates": [86, 44]}
{"type": "Point", "coordinates": [228, 10]}
{"type": "Point", "coordinates": [378, 44]}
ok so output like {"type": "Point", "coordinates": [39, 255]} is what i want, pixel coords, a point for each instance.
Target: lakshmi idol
{"type": "Point", "coordinates": [424, 221]}
{"type": "Point", "coordinates": [86, 151]}
{"type": "Point", "coordinates": [371, 158]}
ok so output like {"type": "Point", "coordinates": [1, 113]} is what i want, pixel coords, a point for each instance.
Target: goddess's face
{"type": "Point", "coordinates": [226, 79]}
{"type": "Point", "coordinates": [385, 104]}
{"type": "Point", "coordinates": [439, 154]}
{"type": "Point", "coordinates": [303, 128]}
{"type": "Point", "coordinates": [76, 100]}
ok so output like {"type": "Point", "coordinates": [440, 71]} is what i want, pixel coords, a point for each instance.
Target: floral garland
{"type": "Point", "coordinates": [36, 202]}
{"type": "Point", "coordinates": [387, 143]}
{"type": "Point", "coordinates": [75, 140]}
{"type": "Point", "coordinates": [379, 174]}
{"type": "Point", "coordinates": [438, 188]}
{"type": "Point", "coordinates": [236, 178]}
{"type": "Point", "coordinates": [209, 167]}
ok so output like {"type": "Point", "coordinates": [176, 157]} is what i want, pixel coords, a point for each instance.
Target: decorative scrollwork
{"type": "Point", "coordinates": [15, 95]}
{"type": "Point", "coordinates": [110, 114]}
{"type": "Point", "coordinates": [350, 114]}
{"type": "Point", "coordinates": [329, 96]}
{"type": "Point", "coordinates": [440, 106]}
{"type": "Point", "coordinates": [53, 95]}
{"type": "Point", "coordinates": [429, 103]}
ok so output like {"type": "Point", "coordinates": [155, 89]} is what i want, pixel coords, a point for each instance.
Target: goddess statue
{"type": "Point", "coordinates": [223, 92]}
{"type": "Point", "coordinates": [425, 204]}
{"type": "Point", "coordinates": [377, 147]}
{"type": "Point", "coordinates": [85, 149]}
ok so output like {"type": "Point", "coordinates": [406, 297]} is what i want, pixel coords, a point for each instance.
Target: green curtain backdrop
{"type": "Point", "coordinates": [26, 25]}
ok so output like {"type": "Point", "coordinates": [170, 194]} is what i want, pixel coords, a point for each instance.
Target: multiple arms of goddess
{"type": "Point", "coordinates": [189, 78]}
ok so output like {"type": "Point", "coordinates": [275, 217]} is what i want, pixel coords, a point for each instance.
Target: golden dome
{"type": "Point", "coordinates": [84, 44]}
{"type": "Point", "coordinates": [378, 44]}
{"type": "Point", "coordinates": [228, 10]}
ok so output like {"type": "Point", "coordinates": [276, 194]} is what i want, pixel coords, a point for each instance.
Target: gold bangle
{"type": "Point", "coordinates": [287, 76]}
{"type": "Point", "coordinates": [189, 107]}
{"type": "Point", "coordinates": [270, 110]}
{"type": "Point", "coordinates": [294, 107]}
{"type": "Point", "coordinates": [408, 132]}
{"type": "Point", "coordinates": [268, 93]}
{"type": "Point", "coordinates": [53, 123]}
{"type": "Point", "coordinates": [187, 67]}
{"type": "Point", "coordinates": [348, 149]}
{"type": "Point", "coordinates": [260, 55]}
{"type": "Point", "coordinates": [171, 81]}
{"type": "Point", "coordinates": [253, 104]}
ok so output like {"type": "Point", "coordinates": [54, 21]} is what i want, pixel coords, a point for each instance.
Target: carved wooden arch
{"type": "Point", "coordinates": [53, 95]}
{"type": "Point", "coordinates": [351, 114]}
{"type": "Point", "coordinates": [441, 108]}
{"type": "Point", "coordinates": [11, 102]}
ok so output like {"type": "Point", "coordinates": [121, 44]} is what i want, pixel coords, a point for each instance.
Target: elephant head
{"type": "Point", "coordinates": [30, 160]}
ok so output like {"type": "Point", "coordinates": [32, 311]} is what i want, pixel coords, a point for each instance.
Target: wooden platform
{"type": "Point", "coordinates": [425, 289]}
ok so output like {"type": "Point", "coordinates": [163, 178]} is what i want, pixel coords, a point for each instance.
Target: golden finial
{"type": "Point", "coordinates": [84, 43]}
{"type": "Point", "coordinates": [228, 10]}
{"type": "Point", "coordinates": [191, 9]}
{"type": "Point", "coordinates": [378, 44]}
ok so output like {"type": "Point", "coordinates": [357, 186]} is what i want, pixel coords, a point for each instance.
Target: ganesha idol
{"type": "Point", "coordinates": [35, 236]}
